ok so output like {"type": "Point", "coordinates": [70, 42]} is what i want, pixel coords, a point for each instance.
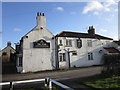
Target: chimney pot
{"type": "Point", "coordinates": [8, 43]}
{"type": "Point", "coordinates": [38, 14]}
{"type": "Point", "coordinates": [43, 14]}
{"type": "Point", "coordinates": [41, 21]}
{"type": "Point", "coordinates": [91, 30]}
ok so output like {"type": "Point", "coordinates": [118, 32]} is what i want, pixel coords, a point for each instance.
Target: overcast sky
{"type": "Point", "coordinates": [20, 17]}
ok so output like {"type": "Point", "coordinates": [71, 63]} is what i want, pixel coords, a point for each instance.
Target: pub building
{"type": "Point", "coordinates": [40, 50]}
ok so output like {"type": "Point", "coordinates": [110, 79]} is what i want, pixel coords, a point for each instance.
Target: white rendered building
{"type": "Point", "coordinates": [81, 49]}
{"type": "Point", "coordinates": [40, 50]}
{"type": "Point", "coordinates": [36, 48]}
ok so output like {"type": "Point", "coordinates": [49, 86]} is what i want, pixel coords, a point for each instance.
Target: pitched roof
{"type": "Point", "coordinates": [36, 28]}
{"type": "Point", "coordinates": [81, 35]}
{"type": "Point", "coordinates": [118, 42]}
{"type": "Point", "coordinates": [112, 50]}
{"type": "Point", "coordinates": [8, 49]}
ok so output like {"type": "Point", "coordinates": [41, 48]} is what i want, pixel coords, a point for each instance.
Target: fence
{"type": "Point", "coordinates": [48, 82]}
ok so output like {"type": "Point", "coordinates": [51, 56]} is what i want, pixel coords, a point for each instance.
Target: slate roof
{"type": "Point", "coordinates": [112, 50]}
{"type": "Point", "coordinates": [118, 42]}
{"type": "Point", "coordinates": [81, 35]}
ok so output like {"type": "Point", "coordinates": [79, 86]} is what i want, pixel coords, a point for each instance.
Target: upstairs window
{"type": "Point", "coordinates": [68, 42]}
{"type": "Point", "coordinates": [60, 42]}
{"type": "Point", "coordinates": [90, 56]}
{"type": "Point", "coordinates": [89, 43]}
{"type": "Point", "coordinates": [4, 53]}
{"type": "Point", "coordinates": [79, 43]}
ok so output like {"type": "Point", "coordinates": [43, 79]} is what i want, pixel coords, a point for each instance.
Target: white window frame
{"type": "Point", "coordinates": [60, 41]}
{"type": "Point", "coordinates": [79, 43]}
{"type": "Point", "coordinates": [74, 53]}
{"type": "Point", "coordinates": [62, 57]}
{"type": "Point", "coordinates": [69, 42]}
{"type": "Point", "coordinates": [90, 56]}
{"type": "Point", "coordinates": [89, 43]}
{"type": "Point", "coordinates": [19, 61]}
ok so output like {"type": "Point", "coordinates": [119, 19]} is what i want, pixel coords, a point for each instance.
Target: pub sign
{"type": "Point", "coordinates": [41, 44]}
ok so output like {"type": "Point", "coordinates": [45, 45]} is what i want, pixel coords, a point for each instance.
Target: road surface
{"type": "Point", "coordinates": [66, 76]}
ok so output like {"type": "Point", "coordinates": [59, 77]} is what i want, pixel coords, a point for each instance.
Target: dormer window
{"type": "Point", "coordinates": [79, 43]}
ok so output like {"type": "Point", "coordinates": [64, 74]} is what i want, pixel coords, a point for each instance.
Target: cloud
{"type": "Point", "coordinates": [116, 10]}
{"type": "Point", "coordinates": [103, 30]}
{"type": "Point", "coordinates": [108, 20]}
{"type": "Point", "coordinates": [113, 15]}
{"type": "Point", "coordinates": [96, 13]}
{"type": "Point", "coordinates": [94, 5]}
{"type": "Point", "coordinates": [109, 3]}
{"type": "Point", "coordinates": [115, 37]}
{"type": "Point", "coordinates": [17, 29]}
{"type": "Point", "coordinates": [59, 8]}
{"type": "Point", "coordinates": [98, 6]}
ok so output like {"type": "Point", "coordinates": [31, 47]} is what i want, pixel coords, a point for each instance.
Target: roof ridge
{"type": "Point", "coordinates": [82, 35]}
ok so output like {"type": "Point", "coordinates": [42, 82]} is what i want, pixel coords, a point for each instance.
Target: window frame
{"type": "Point", "coordinates": [90, 56]}
{"type": "Point", "coordinates": [79, 43]}
{"type": "Point", "coordinates": [68, 42]}
{"type": "Point", "coordinates": [20, 62]}
{"type": "Point", "coordinates": [74, 53]}
{"type": "Point", "coordinates": [89, 43]}
{"type": "Point", "coordinates": [60, 42]}
{"type": "Point", "coordinates": [62, 57]}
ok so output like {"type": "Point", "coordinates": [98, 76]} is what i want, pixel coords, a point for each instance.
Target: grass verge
{"type": "Point", "coordinates": [101, 81]}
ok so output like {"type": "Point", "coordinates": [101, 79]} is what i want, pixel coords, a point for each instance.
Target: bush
{"type": "Point", "coordinates": [112, 64]}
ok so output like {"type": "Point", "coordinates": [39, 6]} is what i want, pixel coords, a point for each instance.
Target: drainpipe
{"type": "Point", "coordinates": [56, 52]}
{"type": "Point", "coordinates": [68, 58]}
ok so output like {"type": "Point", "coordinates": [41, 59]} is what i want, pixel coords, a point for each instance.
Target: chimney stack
{"type": "Point", "coordinates": [41, 19]}
{"type": "Point", "coordinates": [91, 30]}
{"type": "Point", "coordinates": [9, 43]}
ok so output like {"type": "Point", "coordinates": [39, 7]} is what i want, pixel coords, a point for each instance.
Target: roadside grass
{"type": "Point", "coordinates": [34, 88]}
{"type": "Point", "coordinates": [101, 81]}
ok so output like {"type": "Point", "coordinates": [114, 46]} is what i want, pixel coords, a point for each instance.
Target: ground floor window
{"type": "Point", "coordinates": [62, 57]}
{"type": "Point", "coordinates": [74, 53]}
{"type": "Point", "coordinates": [90, 56]}
{"type": "Point", "coordinates": [20, 61]}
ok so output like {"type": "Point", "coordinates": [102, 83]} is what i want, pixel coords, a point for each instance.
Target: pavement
{"type": "Point", "coordinates": [66, 77]}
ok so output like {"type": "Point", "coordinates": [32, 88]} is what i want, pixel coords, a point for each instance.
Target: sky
{"type": "Point", "coordinates": [18, 18]}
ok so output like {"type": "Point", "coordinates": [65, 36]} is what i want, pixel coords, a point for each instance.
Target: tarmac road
{"type": "Point", "coordinates": [66, 77]}
{"type": "Point", "coordinates": [57, 75]}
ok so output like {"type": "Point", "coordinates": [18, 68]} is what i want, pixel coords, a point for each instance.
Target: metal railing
{"type": "Point", "coordinates": [48, 82]}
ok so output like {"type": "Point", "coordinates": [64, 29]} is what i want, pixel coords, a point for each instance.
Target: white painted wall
{"type": "Point", "coordinates": [37, 59]}
{"type": "Point", "coordinates": [81, 59]}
